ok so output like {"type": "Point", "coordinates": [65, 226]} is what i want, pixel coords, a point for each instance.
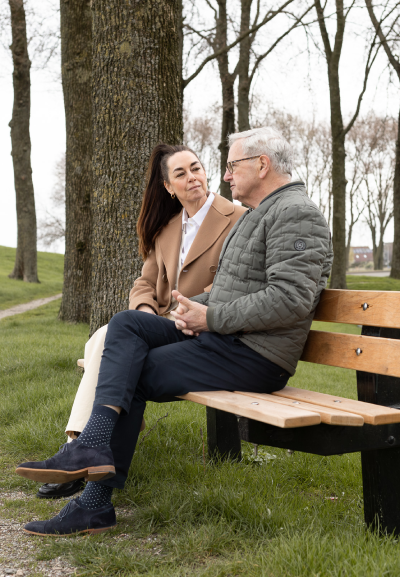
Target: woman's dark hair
{"type": "Point", "coordinates": [157, 205]}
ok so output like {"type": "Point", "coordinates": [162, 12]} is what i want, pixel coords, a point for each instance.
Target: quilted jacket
{"type": "Point", "coordinates": [273, 266]}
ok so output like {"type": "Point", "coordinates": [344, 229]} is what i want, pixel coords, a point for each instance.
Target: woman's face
{"type": "Point", "coordinates": [187, 178]}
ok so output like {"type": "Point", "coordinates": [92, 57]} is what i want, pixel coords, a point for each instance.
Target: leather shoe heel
{"type": "Point", "coordinates": [100, 473]}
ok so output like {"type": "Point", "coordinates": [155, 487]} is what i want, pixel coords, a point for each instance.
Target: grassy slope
{"type": "Point", "coordinates": [13, 292]}
{"type": "Point", "coordinates": [268, 516]}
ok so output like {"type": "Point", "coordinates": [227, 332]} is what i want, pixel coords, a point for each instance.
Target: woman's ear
{"type": "Point", "coordinates": [168, 187]}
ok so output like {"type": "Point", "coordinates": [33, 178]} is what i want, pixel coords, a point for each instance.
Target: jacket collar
{"type": "Point", "coordinates": [169, 240]}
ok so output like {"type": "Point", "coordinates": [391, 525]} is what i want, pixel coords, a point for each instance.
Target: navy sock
{"type": "Point", "coordinates": [99, 427]}
{"type": "Point", "coordinates": [95, 495]}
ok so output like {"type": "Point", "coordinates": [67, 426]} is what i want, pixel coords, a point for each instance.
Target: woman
{"type": "Point", "coordinates": [181, 229]}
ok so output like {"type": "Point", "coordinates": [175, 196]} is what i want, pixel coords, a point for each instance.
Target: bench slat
{"type": "Point", "coordinates": [339, 350]}
{"type": "Point", "coordinates": [329, 416]}
{"type": "Point", "coordinates": [372, 414]}
{"type": "Point", "coordinates": [343, 306]}
{"type": "Point", "coordinates": [255, 408]}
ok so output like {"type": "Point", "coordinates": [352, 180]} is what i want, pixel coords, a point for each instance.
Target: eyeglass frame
{"type": "Point", "coordinates": [232, 162]}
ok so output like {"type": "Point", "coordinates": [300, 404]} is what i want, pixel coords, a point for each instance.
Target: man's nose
{"type": "Point", "coordinates": [227, 175]}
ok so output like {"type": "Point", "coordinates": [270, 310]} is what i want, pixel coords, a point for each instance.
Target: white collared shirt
{"type": "Point", "coordinates": [190, 227]}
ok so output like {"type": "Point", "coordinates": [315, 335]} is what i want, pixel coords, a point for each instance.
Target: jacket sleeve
{"type": "Point", "coordinates": [293, 276]}
{"type": "Point", "coordinates": [144, 288]}
{"type": "Point", "coordinates": [201, 299]}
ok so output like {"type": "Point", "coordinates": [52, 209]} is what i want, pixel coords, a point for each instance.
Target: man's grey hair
{"type": "Point", "coordinates": [268, 141]}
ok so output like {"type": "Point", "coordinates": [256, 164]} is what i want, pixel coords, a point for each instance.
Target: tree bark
{"type": "Point", "coordinates": [25, 267]}
{"type": "Point", "coordinates": [136, 103]}
{"type": "Point", "coordinates": [228, 95]}
{"type": "Point", "coordinates": [395, 271]}
{"type": "Point", "coordinates": [76, 67]}
{"type": "Point", "coordinates": [243, 68]}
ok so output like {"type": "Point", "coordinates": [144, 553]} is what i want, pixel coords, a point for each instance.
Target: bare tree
{"type": "Point", "coordinates": [215, 39]}
{"type": "Point", "coordinates": [51, 227]}
{"type": "Point", "coordinates": [332, 52]}
{"type": "Point", "coordinates": [386, 26]}
{"type": "Point", "coordinates": [76, 67]}
{"type": "Point", "coordinates": [379, 136]}
{"type": "Point", "coordinates": [25, 267]}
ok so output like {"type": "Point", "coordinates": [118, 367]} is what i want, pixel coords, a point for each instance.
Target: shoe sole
{"type": "Point", "coordinates": [87, 531]}
{"type": "Point", "coordinates": [55, 476]}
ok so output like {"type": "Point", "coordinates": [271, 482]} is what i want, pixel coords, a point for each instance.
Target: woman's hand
{"type": "Point", "coordinates": [146, 309]}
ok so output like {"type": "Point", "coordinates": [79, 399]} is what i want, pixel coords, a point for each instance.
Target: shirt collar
{"type": "Point", "coordinates": [200, 214]}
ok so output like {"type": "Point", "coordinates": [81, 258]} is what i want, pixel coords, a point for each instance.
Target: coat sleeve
{"type": "Point", "coordinates": [201, 299]}
{"type": "Point", "coordinates": [293, 276]}
{"type": "Point", "coordinates": [144, 288]}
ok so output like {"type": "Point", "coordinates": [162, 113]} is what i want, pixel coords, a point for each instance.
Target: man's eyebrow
{"type": "Point", "coordinates": [193, 163]}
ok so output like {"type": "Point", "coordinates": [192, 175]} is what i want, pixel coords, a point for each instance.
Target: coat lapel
{"type": "Point", "coordinates": [169, 243]}
{"type": "Point", "coordinates": [212, 227]}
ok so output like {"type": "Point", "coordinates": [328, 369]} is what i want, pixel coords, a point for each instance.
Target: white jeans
{"type": "Point", "coordinates": [83, 404]}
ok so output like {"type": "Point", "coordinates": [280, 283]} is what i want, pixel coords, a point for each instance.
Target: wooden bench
{"type": "Point", "coordinates": [322, 424]}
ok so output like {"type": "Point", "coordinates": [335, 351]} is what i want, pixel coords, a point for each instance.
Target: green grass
{"type": "Point", "coordinates": [269, 516]}
{"type": "Point", "coordinates": [13, 292]}
{"type": "Point", "coordinates": [370, 283]}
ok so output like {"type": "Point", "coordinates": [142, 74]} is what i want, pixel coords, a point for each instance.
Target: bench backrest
{"type": "Point", "coordinates": [363, 353]}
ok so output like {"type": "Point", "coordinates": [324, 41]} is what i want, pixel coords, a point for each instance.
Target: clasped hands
{"type": "Point", "coordinates": [190, 317]}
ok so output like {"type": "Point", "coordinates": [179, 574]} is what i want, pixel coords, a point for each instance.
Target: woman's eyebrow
{"type": "Point", "coordinates": [193, 163]}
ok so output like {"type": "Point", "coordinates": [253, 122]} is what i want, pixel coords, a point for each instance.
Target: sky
{"type": "Point", "coordinates": [290, 78]}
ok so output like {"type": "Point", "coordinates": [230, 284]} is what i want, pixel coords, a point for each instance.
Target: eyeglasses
{"type": "Point", "coordinates": [229, 165]}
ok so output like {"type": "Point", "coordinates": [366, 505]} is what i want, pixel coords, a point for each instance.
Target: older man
{"type": "Point", "coordinates": [247, 334]}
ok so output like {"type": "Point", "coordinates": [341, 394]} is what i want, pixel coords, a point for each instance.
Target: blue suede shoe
{"type": "Point", "coordinates": [73, 519]}
{"type": "Point", "coordinates": [73, 461]}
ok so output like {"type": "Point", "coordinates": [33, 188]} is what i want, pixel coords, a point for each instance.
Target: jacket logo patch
{"type": "Point", "coordinates": [300, 244]}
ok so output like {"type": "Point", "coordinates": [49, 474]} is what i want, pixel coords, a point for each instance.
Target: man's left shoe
{"type": "Point", "coordinates": [73, 519]}
{"type": "Point", "coordinates": [73, 461]}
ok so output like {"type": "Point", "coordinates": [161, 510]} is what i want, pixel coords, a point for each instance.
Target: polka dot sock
{"type": "Point", "coordinates": [95, 495]}
{"type": "Point", "coordinates": [99, 427]}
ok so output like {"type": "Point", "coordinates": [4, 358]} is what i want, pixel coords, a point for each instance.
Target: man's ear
{"type": "Point", "coordinates": [265, 165]}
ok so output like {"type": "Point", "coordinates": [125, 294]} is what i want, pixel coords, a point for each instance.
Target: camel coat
{"type": "Point", "coordinates": [159, 271]}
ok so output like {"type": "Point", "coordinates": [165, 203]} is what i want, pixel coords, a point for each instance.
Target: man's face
{"type": "Point", "coordinates": [244, 179]}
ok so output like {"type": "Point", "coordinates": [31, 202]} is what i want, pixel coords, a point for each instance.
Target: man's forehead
{"type": "Point", "coordinates": [235, 150]}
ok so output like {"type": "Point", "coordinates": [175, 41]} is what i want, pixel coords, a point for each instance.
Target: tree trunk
{"type": "Point", "coordinates": [243, 68]}
{"type": "Point", "coordinates": [395, 271]}
{"type": "Point", "coordinates": [228, 95]}
{"type": "Point", "coordinates": [338, 274]}
{"type": "Point", "coordinates": [76, 67]}
{"type": "Point", "coordinates": [136, 103]}
{"type": "Point", "coordinates": [25, 267]}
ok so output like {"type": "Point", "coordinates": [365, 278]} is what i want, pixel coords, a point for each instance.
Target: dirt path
{"type": "Point", "coordinates": [18, 309]}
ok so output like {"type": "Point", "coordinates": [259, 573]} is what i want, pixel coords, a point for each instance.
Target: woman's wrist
{"type": "Point", "coordinates": [146, 309]}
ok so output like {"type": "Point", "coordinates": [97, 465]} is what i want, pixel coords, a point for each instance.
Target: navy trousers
{"type": "Point", "coordinates": [146, 358]}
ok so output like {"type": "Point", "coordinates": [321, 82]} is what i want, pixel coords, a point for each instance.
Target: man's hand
{"type": "Point", "coordinates": [190, 316]}
{"type": "Point", "coordinates": [146, 309]}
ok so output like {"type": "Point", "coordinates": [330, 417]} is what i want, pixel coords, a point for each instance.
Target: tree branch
{"type": "Point", "coordinates": [377, 25]}
{"type": "Point", "coordinates": [262, 56]}
{"type": "Point", "coordinates": [368, 67]}
{"type": "Point", "coordinates": [268, 17]}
